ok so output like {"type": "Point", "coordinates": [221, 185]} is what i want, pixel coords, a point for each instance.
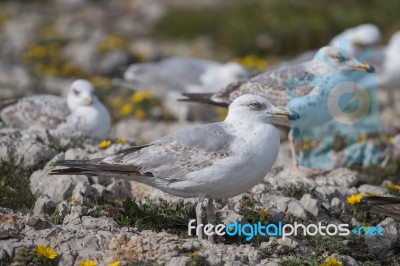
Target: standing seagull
{"type": "Point", "coordinates": [316, 78]}
{"type": "Point", "coordinates": [169, 78]}
{"type": "Point", "coordinates": [213, 161]}
{"type": "Point", "coordinates": [82, 114]}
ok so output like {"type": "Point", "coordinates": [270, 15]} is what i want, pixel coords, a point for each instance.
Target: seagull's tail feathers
{"type": "Point", "coordinates": [202, 98]}
{"type": "Point", "coordinates": [95, 167]}
{"type": "Point", "coordinates": [389, 206]}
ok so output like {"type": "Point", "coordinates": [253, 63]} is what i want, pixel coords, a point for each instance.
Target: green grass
{"type": "Point", "coordinates": [293, 25]}
{"type": "Point", "coordinates": [15, 190]}
{"type": "Point", "coordinates": [171, 217]}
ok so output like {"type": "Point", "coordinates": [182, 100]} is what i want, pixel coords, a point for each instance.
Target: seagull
{"type": "Point", "coordinates": [213, 161]}
{"type": "Point", "coordinates": [310, 82]}
{"type": "Point", "coordinates": [355, 41]}
{"type": "Point", "coordinates": [81, 114]}
{"type": "Point", "coordinates": [170, 77]}
{"type": "Point", "coordinates": [389, 206]}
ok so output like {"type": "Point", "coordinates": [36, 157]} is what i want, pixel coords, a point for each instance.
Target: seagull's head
{"type": "Point", "coordinates": [334, 59]}
{"type": "Point", "coordinates": [234, 71]}
{"type": "Point", "coordinates": [365, 35]}
{"type": "Point", "coordinates": [81, 93]}
{"type": "Point", "coordinates": [250, 107]}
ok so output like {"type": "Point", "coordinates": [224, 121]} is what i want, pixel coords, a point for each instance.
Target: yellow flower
{"type": "Point", "coordinates": [265, 213]}
{"type": "Point", "coordinates": [194, 253]}
{"type": "Point", "coordinates": [330, 261]}
{"type": "Point", "coordinates": [354, 199]}
{"type": "Point", "coordinates": [111, 43]}
{"type": "Point", "coordinates": [101, 82]}
{"type": "Point", "coordinates": [362, 138]}
{"type": "Point", "coordinates": [104, 144]}
{"type": "Point", "coordinates": [391, 139]}
{"type": "Point", "coordinates": [140, 114]}
{"type": "Point", "coordinates": [121, 140]}
{"type": "Point", "coordinates": [368, 193]}
{"type": "Point", "coordinates": [252, 61]}
{"type": "Point", "coordinates": [115, 263]}
{"type": "Point", "coordinates": [74, 201]}
{"type": "Point", "coordinates": [392, 186]}
{"type": "Point", "coordinates": [140, 96]}
{"type": "Point", "coordinates": [127, 109]}
{"type": "Point", "coordinates": [45, 251]}
{"type": "Point", "coordinates": [88, 263]}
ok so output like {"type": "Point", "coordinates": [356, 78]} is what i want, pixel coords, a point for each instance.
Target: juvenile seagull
{"type": "Point", "coordinates": [170, 77]}
{"type": "Point", "coordinates": [315, 79]}
{"type": "Point", "coordinates": [81, 114]}
{"type": "Point", "coordinates": [212, 161]}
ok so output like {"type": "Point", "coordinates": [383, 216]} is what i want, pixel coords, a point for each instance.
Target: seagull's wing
{"type": "Point", "coordinates": [389, 206]}
{"type": "Point", "coordinates": [169, 74]}
{"type": "Point", "coordinates": [272, 85]}
{"type": "Point", "coordinates": [170, 158]}
{"type": "Point", "coordinates": [42, 111]}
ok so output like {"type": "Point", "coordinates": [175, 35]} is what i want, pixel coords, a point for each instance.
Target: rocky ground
{"type": "Point", "coordinates": [43, 47]}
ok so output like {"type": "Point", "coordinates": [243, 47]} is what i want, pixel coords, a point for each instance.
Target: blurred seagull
{"type": "Point", "coordinates": [212, 161]}
{"type": "Point", "coordinates": [169, 78]}
{"type": "Point", "coordinates": [311, 83]}
{"type": "Point", "coordinates": [82, 114]}
{"type": "Point", "coordinates": [389, 206]}
{"type": "Point", "coordinates": [354, 41]}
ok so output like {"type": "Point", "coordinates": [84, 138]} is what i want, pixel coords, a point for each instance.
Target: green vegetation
{"type": "Point", "coordinates": [290, 26]}
{"type": "Point", "coordinates": [171, 217]}
{"type": "Point", "coordinates": [15, 190]}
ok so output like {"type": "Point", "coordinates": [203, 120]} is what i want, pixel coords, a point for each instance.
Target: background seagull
{"type": "Point", "coordinates": [355, 41]}
{"type": "Point", "coordinates": [169, 78]}
{"type": "Point", "coordinates": [308, 98]}
{"type": "Point", "coordinates": [217, 160]}
{"type": "Point", "coordinates": [81, 114]}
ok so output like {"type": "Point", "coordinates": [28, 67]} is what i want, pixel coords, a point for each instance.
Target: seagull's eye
{"type": "Point", "coordinates": [255, 105]}
{"type": "Point", "coordinates": [340, 58]}
{"type": "Point", "coordinates": [76, 92]}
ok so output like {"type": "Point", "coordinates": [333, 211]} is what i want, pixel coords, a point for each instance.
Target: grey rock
{"type": "Point", "coordinates": [44, 206]}
{"type": "Point", "coordinates": [381, 245]}
{"type": "Point", "coordinates": [98, 190]}
{"type": "Point", "coordinates": [310, 204]}
{"type": "Point", "coordinates": [340, 177]}
{"type": "Point", "coordinates": [64, 208]}
{"type": "Point", "coordinates": [25, 148]}
{"type": "Point", "coordinates": [102, 223]}
{"type": "Point", "coordinates": [296, 209]}
{"type": "Point", "coordinates": [177, 261]}
{"type": "Point", "coordinates": [10, 225]}
{"type": "Point", "coordinates": [365, 188]}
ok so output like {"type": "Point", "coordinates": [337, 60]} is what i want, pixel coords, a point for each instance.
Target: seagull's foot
{"type": "Point", "coordinates": [308, 172]}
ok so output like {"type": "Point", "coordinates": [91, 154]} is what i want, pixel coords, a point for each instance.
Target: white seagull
{"type": "Point", "coordinates": [81, 114]}
{"type": "Point", "coordinates": [212, 161]}
{"type": "Point", "coordinates": [310, 85]}
{"type": "Point", "coordinates": [170, 77]}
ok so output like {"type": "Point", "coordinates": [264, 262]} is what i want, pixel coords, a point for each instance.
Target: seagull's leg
{"type": "Point", "coordinates": [210, 217]}
{"type": "Point", "coordinates": [303, 171]}
{"type": "Point", "coordinates": [199, 212]}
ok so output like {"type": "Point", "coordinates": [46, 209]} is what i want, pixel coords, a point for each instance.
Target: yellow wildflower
{"type": "Point", "coordinates": [362, 138]}
{"type": "Point", "coordinates": [111, 43]}
{"type": "Point", "coordinates": [115, 263]}
{"type": "Point", "coordinates": [252, 61]}
{"type": "Point", "coordinates": [140, 96]}
{"type": "Point", "coordinates": [140, 114]}
{"type": "Point", "coordinates": [88, 263]}
{"type": "Point", "coordinates": [101, 82]}
{"type": "Point", "coordinates": [121, 140]}
{"type": "Point", "coordinates": [391, 139]}
{"type": "Point", "coordinates": [330, 261]}
{"type": "Point", "coordinates": [104, 144]}
{"type": "Point", "coordinates": [368, 193]}
{"type": "Point", "coordinates": [354, 199]}
{"type": "Point", "coordinates": [127, 109]}
{"type": "Point", "coordinates": [45, 251]}
{"type": "Point", "coordinates": [265, 213]}
{"type": "Point", "coordinates": [194, 253]}
{"type": "Point", "coordinates": [74, 201]}
{"type": "Point", "coordinates": [394, 187]}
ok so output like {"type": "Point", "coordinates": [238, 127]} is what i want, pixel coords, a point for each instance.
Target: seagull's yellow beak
{"type": "Point", "coordinates": [88, 100]}
{"type": "Point", "coordinates": [286, 115]}
{"type": "Point", "coordinates": [365, 67]}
